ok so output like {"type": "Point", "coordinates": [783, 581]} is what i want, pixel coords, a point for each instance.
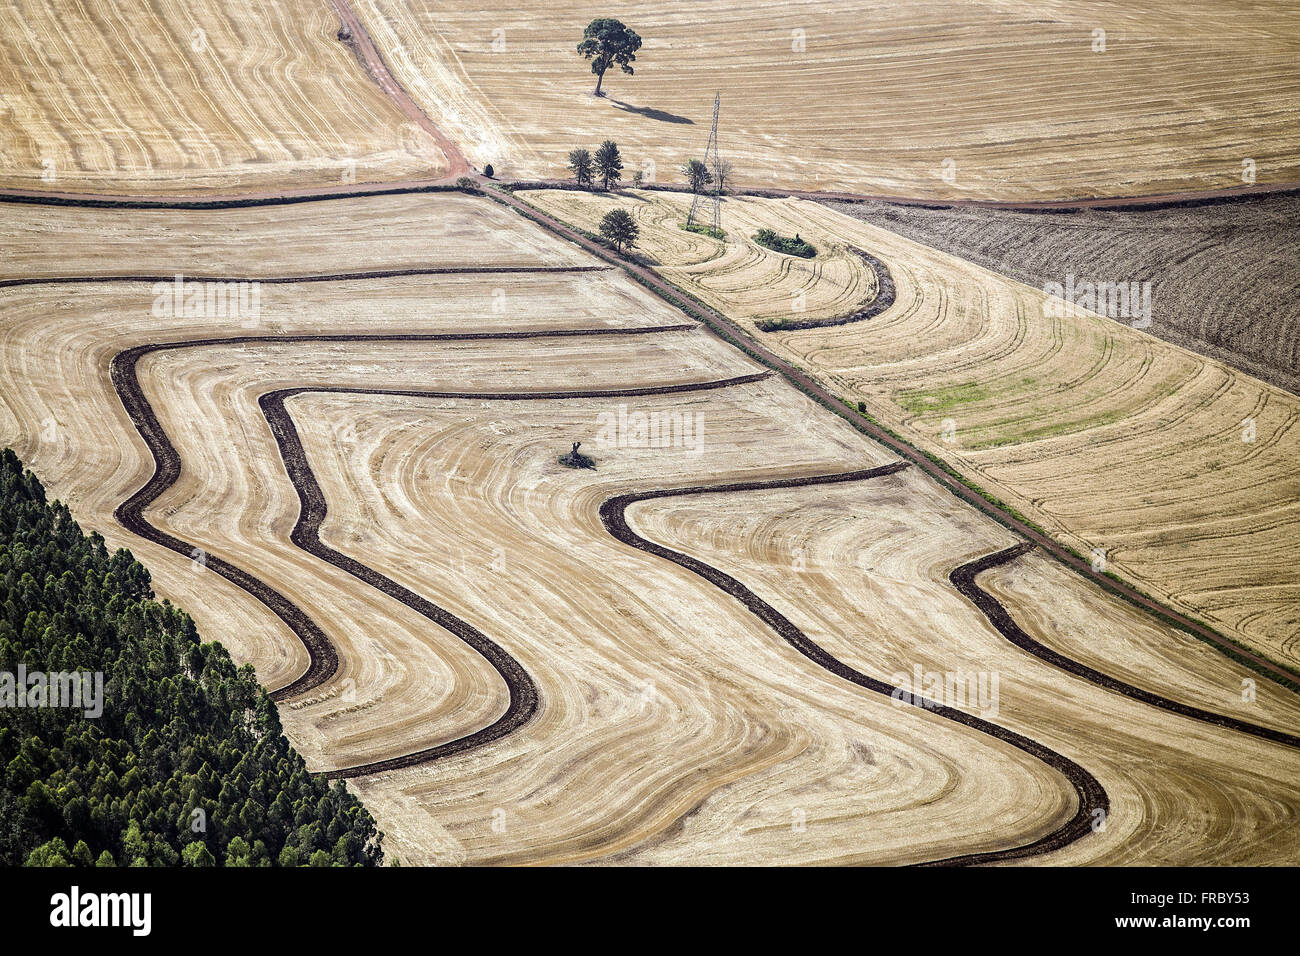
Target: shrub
{"type": "Point", "coordinates": [784, 244]}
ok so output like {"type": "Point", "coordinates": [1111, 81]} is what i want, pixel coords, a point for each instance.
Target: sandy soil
{"type": "Point", "coordinates": [988, 99]}
{"type": "Point", "coordinates": [224, 95]}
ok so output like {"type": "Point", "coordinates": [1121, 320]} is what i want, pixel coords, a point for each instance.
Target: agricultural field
{"type": "Point", "coordinates": [1222, 275]}
{"type": "Point", "coordinates": [1136, 452]}
{"type": "Point", "coordinates": [357, 474]}
{"type": "Point", "coordinates": [983, 100]}
{"type": "Point", "coordinates": [472, 525]}
{"type": "Point", "coordinates": [226, 96]}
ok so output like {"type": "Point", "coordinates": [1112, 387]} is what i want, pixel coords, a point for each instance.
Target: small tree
{"type": "Point", "coordinates": [609, 164]}
{"type": "Point", "coordinates": [196, 853]}
{"type": "Point", "coordinates": [605, 42]}
{"type": "Point", "coordinates": [580, 163]}
{"type": "Point", "coordinates": [620, 228]}
{"type": "Point", "coordinates": [697, 175]}
{"type": "Point", "coordinates": [724, 169]}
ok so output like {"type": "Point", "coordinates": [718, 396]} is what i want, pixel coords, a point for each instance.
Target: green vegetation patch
{"type": "Point", "coordinates": [922, 401]}
{"type": "Point", "coordinates": [184, 763]}
{"type": "Point", "coordinates": [784, 244]}
{"type": "Point", "coordinates": [703, 230]}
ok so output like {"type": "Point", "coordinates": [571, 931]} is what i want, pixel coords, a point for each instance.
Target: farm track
{"type": "Point", "coordinates": [1191, 198]}
{"type": "Point", "coordinates": [363, 46]}
{"type": "Point", "coordinates": [737, 336]}
{"type": "Point", "coordinates": [964, 578]}
{"type": "Point", "coordinates": [1091, 795]}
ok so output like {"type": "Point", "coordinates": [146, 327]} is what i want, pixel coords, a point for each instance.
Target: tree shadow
{"type": "Point", "coordinates": [650, 112]}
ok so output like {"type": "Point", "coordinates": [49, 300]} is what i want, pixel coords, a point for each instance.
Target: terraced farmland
{"type": "Point", "coordinates": [1223, 275]}
{"type": "Point", "coordinates": [548, 564]}
{"type": "Point", "coordinates": [988, 99]}
{"type": "Point", "coordinates": [360, 493]}
{"type": "Point", "coordinates": [1115, 442]}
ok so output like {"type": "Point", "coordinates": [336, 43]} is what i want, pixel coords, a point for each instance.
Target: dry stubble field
{"type": "Point", "coordinates": [1105, 436]}
{"type": "Point", "coordinates": [219, 95]}
{"type": "Point", "coordinates": [869, 96]}
{"type": "Point", "coordinates": [672, 724]}
{"type": "Point", "coordinates": [1223, 276]}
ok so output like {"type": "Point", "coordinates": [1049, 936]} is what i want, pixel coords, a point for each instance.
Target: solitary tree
{"type": "Point", "coordinates": [606, 41]}
{"type": "Point", "coordinates": [609, 164]}
{"type": "Point", "coordinates": [580, 163]}
{"type": "Point", "coordinates": [620, 228]}
{"type": "Point", "coordinates": [697, 175]}
{"type": "Point", "coordinates": [724, 173]}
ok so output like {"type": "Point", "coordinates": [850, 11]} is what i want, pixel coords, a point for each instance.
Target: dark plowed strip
{"type": "Point", "coordinates": [1090, 794]}
{"type": "Point", "coordinates": [963, 578]}
{"type": "Point", "coordinates": [885, 294]}
{"type": "Point", "coordinates": [311, 277]}
{"type": "Point", "coordinates": [306, 535]}
{"type": "Point", "coordinates": [323, 659]}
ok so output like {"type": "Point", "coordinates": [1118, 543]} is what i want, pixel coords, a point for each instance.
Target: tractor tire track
{"type": "Point", "coordinates": [963, 579]}
{"type": "Point", "coordinates": [1090, 794]}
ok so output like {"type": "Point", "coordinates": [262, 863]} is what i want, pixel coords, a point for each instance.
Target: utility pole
{"type": "Point", "coordinates": [713, 164]}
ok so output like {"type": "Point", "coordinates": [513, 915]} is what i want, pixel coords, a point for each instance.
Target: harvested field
{"type": "Point", "coordinates": [863, 570]}
{"type": "Point", "coordinates": [753, 281]}
{"type": "Point", "coordinates": [402, 687]}
{"type": "Point", "coordinates": [1223, 276]}
{"type": "Point", "coordinates": [501, 677]}
{"type": "Point", "coordinates": [222, 95]}
{"type": "Point", "coordinates": [406, 232]}
{"type": "Point", "coordinates": [1108, 438]}
{"type": "Point", "coordinates": [871, 97]}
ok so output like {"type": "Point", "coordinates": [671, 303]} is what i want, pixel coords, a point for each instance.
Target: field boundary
{"type": "Point", "coordinates": [938, 469]}
{"type": "Point", "coordinates": [322, 655]}
{"type": "Point", "coordinates": [1089, 793]}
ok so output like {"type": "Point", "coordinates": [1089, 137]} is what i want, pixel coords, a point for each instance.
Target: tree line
{"type": "Point", "coordinates": [186, 765]}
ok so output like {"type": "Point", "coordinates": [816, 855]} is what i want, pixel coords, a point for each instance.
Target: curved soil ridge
{"type": "Point", "coordinates": [322, 658]}
{"type": "Point", "coordinates": [322, 655]}
{"type": "Point", "coordinates": [942, 473]}
{"type": "Point", "coordinates": [883, 299]}
{"type": "Point", "coordinates": [1090, 794]}
{"type": "Point", "coordinates": [964, 578]}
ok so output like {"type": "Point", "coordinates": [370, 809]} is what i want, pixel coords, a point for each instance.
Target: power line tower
{"type": "Point", "coordinates": [714, 165]}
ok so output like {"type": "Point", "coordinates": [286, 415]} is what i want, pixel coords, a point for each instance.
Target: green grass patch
{"type": "Point", "coordinates": [704, 230]}
{"type": "Point", "coordinates": [921, 401]}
